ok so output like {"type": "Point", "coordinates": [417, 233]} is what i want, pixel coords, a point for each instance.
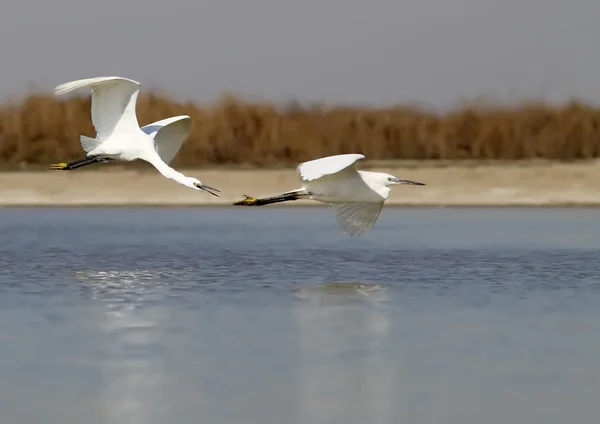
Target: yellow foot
{"type": "Point", "coordinates": [61, 165]}
{"type": "Point", "coordinates": [248, 201]}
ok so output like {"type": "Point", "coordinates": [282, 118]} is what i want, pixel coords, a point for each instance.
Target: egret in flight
{"type": "Point", "coordinates": [355, 196]}
{"type": "Point", "coordinates": [119, 136]}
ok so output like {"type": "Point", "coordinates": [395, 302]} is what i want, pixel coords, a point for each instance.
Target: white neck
{"type": "Point", "coordinates": [376, 182]}
{"type": "Point", "coordinates": [165, 169]}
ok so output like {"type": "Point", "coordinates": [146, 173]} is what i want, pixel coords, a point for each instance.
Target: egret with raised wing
{"type": "Point", "coordinates": [119, 136]}
{"type": "Point", "coordinates": [355, 196]}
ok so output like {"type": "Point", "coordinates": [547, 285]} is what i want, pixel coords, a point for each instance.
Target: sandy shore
{"type": "Point", "coordinates": [458, 184]}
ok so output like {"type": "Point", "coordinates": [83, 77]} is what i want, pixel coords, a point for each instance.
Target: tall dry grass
{"type": "Point", "coordinates": [44, 129]}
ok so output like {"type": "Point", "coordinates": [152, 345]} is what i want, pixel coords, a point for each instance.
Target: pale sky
{"type": "Point", "coordinates": [435, 52]}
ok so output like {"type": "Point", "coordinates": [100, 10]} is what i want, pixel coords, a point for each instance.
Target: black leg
{"type": "Point", "coordinates": [252, 201]}
{"type": "Point", "coordinates": [88, 160]}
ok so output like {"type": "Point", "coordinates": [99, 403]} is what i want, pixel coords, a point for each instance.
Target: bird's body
{"type": "Point", "coordinates": [353, 188]}
{"type": "Point", "coordinates": [119, 136]}
{"type": "Point", "coordinates": [355, 196]}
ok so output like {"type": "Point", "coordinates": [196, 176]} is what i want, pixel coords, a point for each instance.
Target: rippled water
{"type": "Point", "coordinates": [272, 315]}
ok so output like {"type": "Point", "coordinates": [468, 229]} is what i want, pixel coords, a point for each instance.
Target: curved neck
{"type": "Point", "coordinates": [165, 169]}
{"type": "Point", "coordinates": [376, 180]}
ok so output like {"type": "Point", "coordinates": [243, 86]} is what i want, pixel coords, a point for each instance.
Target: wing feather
{"type": "Point", "coordinates": [113, 103]}
{"type": "Point", "coordinates": [356, 218]}
{"type": "Point", "coordinates": [169, 135]}
{"type": "Point", "coordinates": [314, 169]}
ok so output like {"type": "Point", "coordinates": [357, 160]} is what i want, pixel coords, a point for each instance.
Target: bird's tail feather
{"type": "Point", "coordinates": [88, 143]}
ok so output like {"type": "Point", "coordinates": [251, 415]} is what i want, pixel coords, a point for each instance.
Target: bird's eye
{"type": "Point", "coordinates": [390, 179]}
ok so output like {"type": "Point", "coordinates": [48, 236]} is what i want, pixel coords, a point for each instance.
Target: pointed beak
{"type": "Point", "coordinates": [208, 189]}
{"type": "Point", "coordinates": [409, 182]}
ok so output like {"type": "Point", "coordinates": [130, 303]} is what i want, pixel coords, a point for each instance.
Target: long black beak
{"type": "Point", "coordinates": [208, 189]}
{"type": "Point", "coordinates": [409, 182]}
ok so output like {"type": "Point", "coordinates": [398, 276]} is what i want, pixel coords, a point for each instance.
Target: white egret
{"type": "Point", "coordinates": [119, 136]}
{"type": "Point", "coordinates": [355, 196]}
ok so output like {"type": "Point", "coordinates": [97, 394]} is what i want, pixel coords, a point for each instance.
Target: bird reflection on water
{"type": "Point", "coordinates": [328, 322]}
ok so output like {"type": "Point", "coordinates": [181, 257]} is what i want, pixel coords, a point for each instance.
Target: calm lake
{"type": "Point", "coordinates": [273, 315]}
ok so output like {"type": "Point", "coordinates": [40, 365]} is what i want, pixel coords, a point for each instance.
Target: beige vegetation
{"type": "Point", "coordinates": [44, 129]}
{"type": "Point", "coordinates": [469, 184]}
{"type": "Point", "coordinates": [531, 154]}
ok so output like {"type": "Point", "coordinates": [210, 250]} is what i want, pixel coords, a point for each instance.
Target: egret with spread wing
{"type": "Point", "coordinates": [119, 136]}
{"type": "Point", "coordinates": [355, 196]}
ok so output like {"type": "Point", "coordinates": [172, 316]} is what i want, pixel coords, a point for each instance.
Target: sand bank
{"type": "Point", "coordinates": [448, 184]}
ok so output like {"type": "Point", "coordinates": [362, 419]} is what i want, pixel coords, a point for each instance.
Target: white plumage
{"type": "Point", "coordinates": [113, 104]}
{"type": "Point", "coordinates": [356, 218]}
{"type": "Point", "coordinates": [169, 135]}
{"type": "Point", "coordinates": [317, 168]}
{"type": "Point", "coordinates": [355, 196]}
{"type": "Point", "coordinates": [119, 136]}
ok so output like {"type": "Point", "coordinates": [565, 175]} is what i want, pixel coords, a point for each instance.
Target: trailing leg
{"type": "Point", "coordinates": [88, 160]}
{"type": "Point", "coordinates": [285, 197]}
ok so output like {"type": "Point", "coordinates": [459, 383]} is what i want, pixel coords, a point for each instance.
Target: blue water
{"type": "Point", "coordinates": [273, 315]}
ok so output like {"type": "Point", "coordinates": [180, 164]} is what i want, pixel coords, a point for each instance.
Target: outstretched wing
{"type": "Point", "coordinates": [356, 218]}
{"type": "Point", "coordinates": [113, 103]}
{"type": "Point", "coordinates": [169, 135]}
{"type": "Point", "coordinates": [314, 169]}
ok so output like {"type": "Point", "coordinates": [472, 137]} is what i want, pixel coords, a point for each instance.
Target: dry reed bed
{"type": "Point", "coordinates": [44, 129]}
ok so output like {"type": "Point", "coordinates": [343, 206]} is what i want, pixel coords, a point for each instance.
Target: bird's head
{"type": "Point", "coordinates": [196, 184]}
{"type": "Point", "coordinates": [389, 180]}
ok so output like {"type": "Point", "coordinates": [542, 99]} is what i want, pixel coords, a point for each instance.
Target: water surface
{"type": "Point", "coordinates": [272, 315]}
